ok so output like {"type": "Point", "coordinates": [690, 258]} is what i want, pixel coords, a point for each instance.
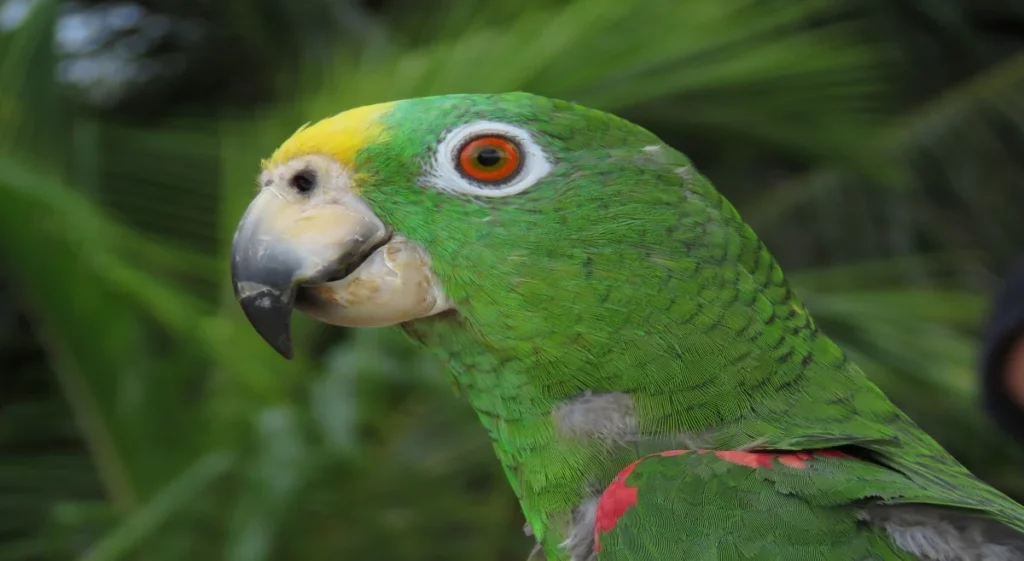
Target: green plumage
{"type": "Point", "coordinates": [624, 271]}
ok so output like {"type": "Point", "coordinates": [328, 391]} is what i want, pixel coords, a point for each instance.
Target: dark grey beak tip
{"type": "Point", "coordinates": [271, 317]}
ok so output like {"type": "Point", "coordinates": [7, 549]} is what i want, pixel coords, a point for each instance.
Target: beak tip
{"type": "Point", "coordinates": [283, 346]}
{"type": "Point", "coordinates": [272, 321]}
{"type": "Point", "coordinates": [286, 352]}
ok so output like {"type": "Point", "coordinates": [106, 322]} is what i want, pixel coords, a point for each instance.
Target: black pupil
{"type": "Point", "coordinates": [488, 157]}
{"type": "Point", "coordinates": [304, 181]}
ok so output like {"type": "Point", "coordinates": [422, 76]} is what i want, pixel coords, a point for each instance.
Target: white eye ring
{"type": "Point", "coordinates": [443, 173]}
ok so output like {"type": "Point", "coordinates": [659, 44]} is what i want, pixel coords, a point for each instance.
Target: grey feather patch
{"type": "Point", "coordinates": [687, 173]}
{"type": "Point", "coordinates": [580, 540]}
{"type": "Point", "coordinates": [609, 416]}
{"type": "Point", "coordinates": [537, 554]}
{"type": "Point", "coordinates": [934, 534]}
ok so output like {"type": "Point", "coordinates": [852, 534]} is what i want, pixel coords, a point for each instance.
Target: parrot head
{"type": "Point", "coordinates": [511, 212]}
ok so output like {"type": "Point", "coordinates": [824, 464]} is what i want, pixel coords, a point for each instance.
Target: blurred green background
{"type": "Point", "coordinates": [876, 145]}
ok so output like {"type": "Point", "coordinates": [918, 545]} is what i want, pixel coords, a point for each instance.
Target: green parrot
{"type": "Point", "coordinates": [652, 386]}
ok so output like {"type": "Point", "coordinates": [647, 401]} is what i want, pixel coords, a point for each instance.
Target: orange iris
{"type": "Point", "coordinates": [489, 158]}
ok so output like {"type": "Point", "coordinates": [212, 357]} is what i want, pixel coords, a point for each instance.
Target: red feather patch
{"type": "Point", "coordinates": [795, 460]}
{"type": "Point", "coordinates": [618, 497]}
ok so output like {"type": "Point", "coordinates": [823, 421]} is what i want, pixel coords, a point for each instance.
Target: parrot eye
{"type": "Point", "coordinates": [487, 159]}
{"type": "Point", "coordinates": [490, 159]}
{"type": "Point", "coordinates": [303, 181]}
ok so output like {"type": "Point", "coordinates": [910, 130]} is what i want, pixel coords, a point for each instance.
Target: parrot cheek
{"type": "Point", "coordinates": [393, 285]}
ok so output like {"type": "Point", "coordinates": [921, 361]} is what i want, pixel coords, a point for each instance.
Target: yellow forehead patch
{"type": "Point", "coordinates": [340, 136]}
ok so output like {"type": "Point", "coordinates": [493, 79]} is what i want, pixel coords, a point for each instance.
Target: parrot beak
{"type": "Point", "coordinates": [325, 253]}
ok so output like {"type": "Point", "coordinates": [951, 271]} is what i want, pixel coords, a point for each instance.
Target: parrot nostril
{"type": "Point", "coordinates": [303, 181]}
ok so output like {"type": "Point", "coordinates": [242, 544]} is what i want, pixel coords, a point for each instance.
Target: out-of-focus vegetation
{"type": "Point", "coordinates": [876, 145]}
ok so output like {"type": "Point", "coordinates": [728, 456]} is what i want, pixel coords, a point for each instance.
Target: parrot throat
{"type": "Point", "coordinates": [550, 474]}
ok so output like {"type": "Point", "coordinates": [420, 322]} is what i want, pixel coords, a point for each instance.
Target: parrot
{"type": "Point", "coordinates": [652, 386]}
